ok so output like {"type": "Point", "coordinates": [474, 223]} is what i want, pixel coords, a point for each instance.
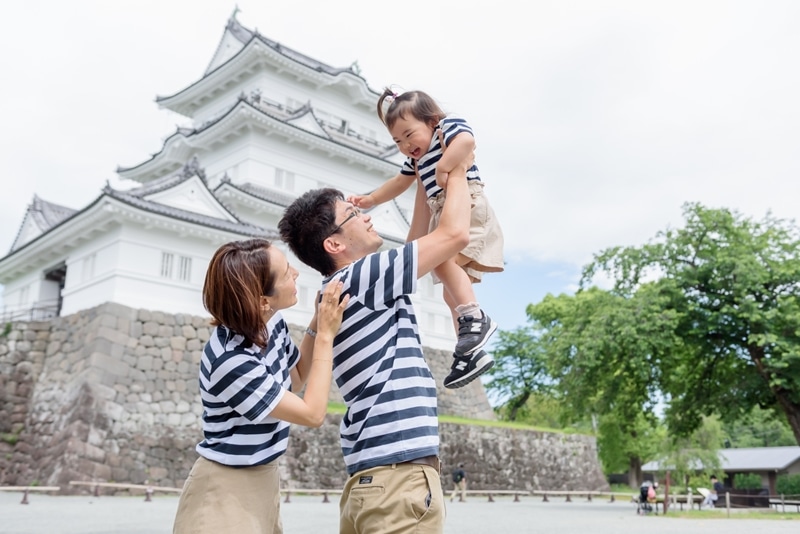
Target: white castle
{"type": "Point", "coordinates": [267, 124]}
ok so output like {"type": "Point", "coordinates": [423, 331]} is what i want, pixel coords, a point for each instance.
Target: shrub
{"type": "Point", "coordinates": [788, 485]}
{"type": "Point", "coordinates": [747, 481]}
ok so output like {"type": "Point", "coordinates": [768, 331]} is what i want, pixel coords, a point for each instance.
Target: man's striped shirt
{"type": "Point", "coordinates": [240, 384]}
{"type": "Point", "coordinates": [379, 366]}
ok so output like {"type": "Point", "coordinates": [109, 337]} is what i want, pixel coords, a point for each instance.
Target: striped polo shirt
{"type": "Point", "coordinates": [379, 367]}
{"type": "Point", "coordinates": [450, 126]}
{"type": "Point", "coordinates": [240, 384]}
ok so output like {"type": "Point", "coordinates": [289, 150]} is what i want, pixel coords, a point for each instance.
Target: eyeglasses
{"type": "Point", "coordinates": [355, 213]}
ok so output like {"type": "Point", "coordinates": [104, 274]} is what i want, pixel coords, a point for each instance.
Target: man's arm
{"type": "Point", "coordinates": [421, 218]}
{"type": "Point", "coordinates": [452, 234]}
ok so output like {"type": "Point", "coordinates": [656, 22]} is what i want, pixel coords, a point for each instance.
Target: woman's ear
{"type": "Point", "coordinates": [264, 304]}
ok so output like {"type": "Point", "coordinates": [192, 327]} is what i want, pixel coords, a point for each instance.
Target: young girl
{"type": "Point", "coordinates": [250, 373]}
{"type": "Point", "coordinates": [434, 144]}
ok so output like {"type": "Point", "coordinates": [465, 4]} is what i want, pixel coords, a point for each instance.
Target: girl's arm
{"type": "Point", "coordinates": [391, 188]}
{"type": "Point", "coordinates": [311, 408]}
{"type": "Point", "coordinates": [420, 220]}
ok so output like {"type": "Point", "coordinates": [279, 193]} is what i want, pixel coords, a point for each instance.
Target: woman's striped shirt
{"type": "Point", "coordinates": [240, 384]}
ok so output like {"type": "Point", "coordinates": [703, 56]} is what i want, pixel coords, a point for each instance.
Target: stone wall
{"type": "Point", "coordinates": [110, 394]}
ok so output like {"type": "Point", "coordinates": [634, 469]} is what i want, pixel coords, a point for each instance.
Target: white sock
{"type": "Point", "coordinates": [470, 308]}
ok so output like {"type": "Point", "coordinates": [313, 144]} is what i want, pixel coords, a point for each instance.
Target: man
{"type": "Point", "coordinates": [459, 483]}
{"type": "Point", "coordinates": [389, 434]}
{"type": "Point", "coordinates": [713, 495]}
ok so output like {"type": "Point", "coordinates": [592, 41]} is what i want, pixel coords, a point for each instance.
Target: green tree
{"type": "Point", "coordinates": [623, 446]}
{"type": "Point", "coordinates": [759, 428]}
{"type": "Point", "coordinates": [520, 370]}
{"type": "Point", "coordinates": [693, 458]}
{"type": "Point", "coordinates": [732, 287]}
{"type": "Point", "coordinates": [606, 353]}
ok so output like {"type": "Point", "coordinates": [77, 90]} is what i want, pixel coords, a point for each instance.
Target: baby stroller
{"type": "Point", "coordinates": [647, 498]}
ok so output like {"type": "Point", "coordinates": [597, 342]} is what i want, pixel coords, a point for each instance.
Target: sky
{"type": "Point", "coordinates": [595, 121]}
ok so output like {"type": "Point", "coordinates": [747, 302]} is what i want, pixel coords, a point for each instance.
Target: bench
{"type": "Point", "coordinates": [783, 503]}
{"type": "Point", "coordinates": [680, 500]}
{"type": "Point", "coordinates": [26, 489]}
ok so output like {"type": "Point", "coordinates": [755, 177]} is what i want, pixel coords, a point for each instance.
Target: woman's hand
{"type": "Point", "coordinates": [330, 309]}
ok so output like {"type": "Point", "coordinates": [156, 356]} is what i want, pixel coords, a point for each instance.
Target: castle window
{"type": "Point", "coordinates": [284, 179]}
{"type": "Point", "coordinates": [167, 260]}
{"type": "Point", "coordinates": [185, 269]}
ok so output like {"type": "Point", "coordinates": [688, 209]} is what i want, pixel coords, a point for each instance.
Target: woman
{"type": "Point", "coordinates": [249, 375]}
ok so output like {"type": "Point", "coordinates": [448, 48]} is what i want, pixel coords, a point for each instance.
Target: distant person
{"type": "Point", "coordinates": [434, 143]}
{"type": "Point", "coordinates": [250, 373]}
{"type": "Point", "coordinates": [716, 489]}
{"type": "Point", "coordinates": [390, 431]}
{"type": "Point", "coordinates": [459, 483]}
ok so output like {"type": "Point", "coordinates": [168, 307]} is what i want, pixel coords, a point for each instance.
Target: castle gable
{"type": "Point", "coordinates": [40, 217]}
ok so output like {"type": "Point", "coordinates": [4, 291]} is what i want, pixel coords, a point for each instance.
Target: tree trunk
{"type": "Point", "coordinates": [789, 407]}
{"type": "Point", "coordinates": [635, 477]}
{"type": "Point", "coordinates": [792, 411]}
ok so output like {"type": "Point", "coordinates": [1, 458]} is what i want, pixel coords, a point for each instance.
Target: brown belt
{"type": "Point", "coordinates": [432, 461]}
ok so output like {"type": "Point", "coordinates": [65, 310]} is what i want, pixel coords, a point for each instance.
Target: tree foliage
{"type": "Point", "coordinates": [520, 370]}
{"type": "Point", "coordinates": [729, 289]}
{"type": "Point", "coordinates": [759, 428]}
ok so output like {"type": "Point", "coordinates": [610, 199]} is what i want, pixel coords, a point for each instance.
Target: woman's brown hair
{"type": "Point", "coordinates": [238, 276]}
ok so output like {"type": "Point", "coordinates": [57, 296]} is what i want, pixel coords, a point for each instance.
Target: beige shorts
{"type": "Point", "coordinates": [484, 253]}
{"type": "Point", "coordinates": [217, 498]}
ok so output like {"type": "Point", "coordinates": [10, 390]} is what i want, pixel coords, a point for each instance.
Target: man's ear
{"type": "Point", "coordinates": [333, 245]}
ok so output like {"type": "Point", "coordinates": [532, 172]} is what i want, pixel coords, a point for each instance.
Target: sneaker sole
{"type": "Point", "coordinates": [483, 366]}
{"type": "Point", "coordinates": [492, 329]}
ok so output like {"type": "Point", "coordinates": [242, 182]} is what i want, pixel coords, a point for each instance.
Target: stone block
{"type": "Point", "coordinates": [107, 364]}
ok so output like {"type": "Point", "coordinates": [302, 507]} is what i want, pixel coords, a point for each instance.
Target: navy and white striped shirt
{"type": "Point", "coordinates": [379, 366]}
{"type": "Point", "coordinates": [240, 384]}
{"type": "Point", "coordinates": [426, 165]}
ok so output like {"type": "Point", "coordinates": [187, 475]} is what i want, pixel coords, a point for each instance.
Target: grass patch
{"type": "Point", "coordinates": [9, 438]}
{"type": "Point", "coordinates": [738, 513]}
{"type": "Point", "coordinates": [340, 409]}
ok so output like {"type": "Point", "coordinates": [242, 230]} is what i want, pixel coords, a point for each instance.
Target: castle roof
{"type": "Point", "coordinates": [299, 124]}
{"type": "Point", "coordinates": [241, 49]}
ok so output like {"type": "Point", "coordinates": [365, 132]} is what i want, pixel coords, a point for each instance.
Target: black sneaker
{"type": "Point", "coordinates": [465, 369]}
{"type": "Point", "coordinates": [473, 333]}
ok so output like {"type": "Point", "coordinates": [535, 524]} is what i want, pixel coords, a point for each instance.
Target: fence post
{"type": "Point", "coordinates": [783, 503]}
{"type": "Point", "coordinates": [728, 502]}
{"type": "Point", "coordinates": [24, 497]}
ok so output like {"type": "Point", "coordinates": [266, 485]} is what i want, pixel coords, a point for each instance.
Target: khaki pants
{"type": "Point", "coordinates": [459, 487]}
{"type": "Point", "coordinates": [393, 499]}
{"type": "Point", "coordinates": [218, 499]}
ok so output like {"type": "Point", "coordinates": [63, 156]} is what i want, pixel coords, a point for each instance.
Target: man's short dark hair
{"type": "Point", "coordinates": [305, 225]}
